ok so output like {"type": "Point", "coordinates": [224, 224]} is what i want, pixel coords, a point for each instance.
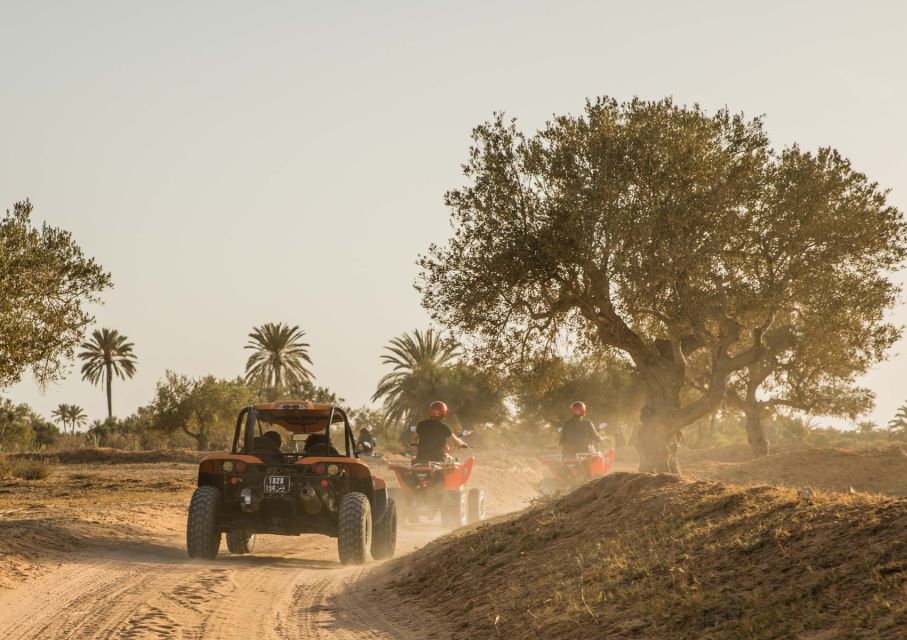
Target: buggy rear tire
{"type": "Point", "coordinates": [240, 542]}
{"type": "Point", "coordinates": [202, 535]}
{"type": "Point", "coordinates": [384, 534]}
{"type": "Point", "coordinates": [354, 528]}
{"type": "Point", "coordinates": [475, 502]}
{"type": "Point", "coordinates": [453, 509]}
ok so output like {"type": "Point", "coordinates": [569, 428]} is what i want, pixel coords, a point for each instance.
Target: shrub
{"type": "Point", "coordinates": [31, 469]}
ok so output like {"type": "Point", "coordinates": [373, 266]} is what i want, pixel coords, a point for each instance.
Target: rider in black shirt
{"type": "Point", "coordinates": [432, 435]}
{"type": "Point", "coordinates": [578, 433]}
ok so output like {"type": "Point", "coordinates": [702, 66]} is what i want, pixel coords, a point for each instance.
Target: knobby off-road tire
{"type": "Point", "coordinates": [202, 534]}
{"type": "Point", "coordinates": [475, 502]}
{"type": "Point", "coordinates": [240, 542]}
{"type": "Point", "coordinates": [453, 509]}
{"type": "Point", "coordinates": [354, 529]}
{"type": "Point", "coordinates": [384, 534]}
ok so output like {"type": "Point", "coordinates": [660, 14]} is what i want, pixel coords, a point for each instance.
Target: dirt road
{"type": "Point", "coordinates": [99, 552]}
{"type": "Point", "coordinates": [146, 587]}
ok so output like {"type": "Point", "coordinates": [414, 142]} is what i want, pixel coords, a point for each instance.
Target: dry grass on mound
{"type": "Point", "coordinates": [870, 470]}
{"type": "Point", "coordinates": [641, 556]}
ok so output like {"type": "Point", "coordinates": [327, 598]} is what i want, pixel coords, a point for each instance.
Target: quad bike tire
{"type": "Point", "coordinates": [475, 506]}
{"type": "Point", "coordinates": [454, 509]}
{"type": "Point", "coordinates": [354, 528]}
{"type": "Point", "coordinates": [402, 504]}
{"type": "Point", "coordinates": [550, 487]}
{"type": "Point", "coordinates": [240, 542]}
{"type": "Point", "coordinates": [384, 533]}
{"type": "Point", "coordinates": [202, 535]}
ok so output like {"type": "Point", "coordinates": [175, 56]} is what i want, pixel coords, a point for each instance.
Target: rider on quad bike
{"type": "Point", "coordinates": [368, 443]}
{"type": "Point", "coordinates": [431, 435]}
{"type": "Point", "coordinates": [578, 433]}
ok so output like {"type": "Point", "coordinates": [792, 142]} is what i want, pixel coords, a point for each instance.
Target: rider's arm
{"type": "Point", "coordinates": [458, 440]}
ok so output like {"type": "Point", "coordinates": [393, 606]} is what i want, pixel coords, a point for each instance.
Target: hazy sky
{"type": "Point", "coordinates": [234, 163]}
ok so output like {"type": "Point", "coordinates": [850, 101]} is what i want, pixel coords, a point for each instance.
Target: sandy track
{"type": "Point", "coordinates": [147, 588]}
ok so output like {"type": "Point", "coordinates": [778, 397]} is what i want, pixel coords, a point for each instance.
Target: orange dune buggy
{"type": "Point", "coordinates": [290, 484]}
{"type": "Point", "coordinates": [427, 488]}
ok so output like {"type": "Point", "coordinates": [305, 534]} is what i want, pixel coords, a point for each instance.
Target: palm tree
{"type": "Point", "coordinates": [61, 415]}
{"type": "Point", "coordinates": [898, 424]}
{"type": "Point", "coordinates": [106, 354]}
{"type": "Point", "coordinates": [69, 415]}
{"type": "Point", "coordinates": [418, 360]}
{"type": "Point", "coordinates": [279, 356]}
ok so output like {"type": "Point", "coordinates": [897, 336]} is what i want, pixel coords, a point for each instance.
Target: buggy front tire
{"type": "Point", "coordinates": [354, 529]}
{"type": "Point", "coordinates": [384, 534]}
{"type": "Point", "coordinates": [240, 542]}
{"type": "Point", "coordinates": [202, 533]}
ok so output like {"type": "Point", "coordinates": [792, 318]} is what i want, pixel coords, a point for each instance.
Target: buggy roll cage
{"type": "Point", "coordinates": [249, 416]}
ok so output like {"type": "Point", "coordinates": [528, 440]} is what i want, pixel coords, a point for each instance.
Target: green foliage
{"type": "Point", "coordinates": [897, 426]}
{"type": "Point", "coordinates": [374, 420]}
{"type": "Point", "coordinates": [302, 390]}
{"type": "Point", "coordinates": [425, 369]}
{"type": "Point", "coordinates": [45, 286]}
{"type": "Point", "coordinates": [867, 426]}
{"type": "Point", "coordinates": [720, 429]}
{"type": "Point", "coordinates": [21, 429]}
{"type": "Point", "coordinates": [675, 236]}
{"type": "Point", "coordinates": [106, 355]}
{"type": "Point", "coordinates": [46, 433]}
{"type": "Point", "coordinates": [279, 356]}
{"type": "Point", "coordinates": [418, 360]}
{"type": "Point", "coordinates": [16, 433]}
{"type": "Point", "coordinates": [789, 429]}
{"type": "Point", "coordinates": [545, 389]}
{"type": "Point", "coordinates": [204, 408]}
{"type": "Point", "coordinates": [70, 416]}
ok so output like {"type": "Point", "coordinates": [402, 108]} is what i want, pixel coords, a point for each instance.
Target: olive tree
{"type": "Point", "coordinates": [205, 408]}
{"type": "Point", "coordinates": [812, 357]}
{"type": "Point", "coordinates": [544, 390]}
{"type": "Point", "coordinates": [46, 283]}
{"type": "Point", "coordinates": [671, 234]}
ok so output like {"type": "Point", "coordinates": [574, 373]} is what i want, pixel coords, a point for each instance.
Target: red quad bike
{"type": "Point", "coordinates": [568, 473]}
{"type": "Point", "coordinates": [427, 488]}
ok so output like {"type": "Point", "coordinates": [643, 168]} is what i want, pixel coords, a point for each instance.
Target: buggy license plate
{"type": "Point", "coordinates": [277, 484]}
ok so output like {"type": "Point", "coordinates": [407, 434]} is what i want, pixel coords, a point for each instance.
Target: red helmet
{"type": "Point", "coordinates": [578, 408]}
{"type": "Point", "coordinates": [437, 409]}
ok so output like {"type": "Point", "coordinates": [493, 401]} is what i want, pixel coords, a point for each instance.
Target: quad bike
{"type": "Point", "coordinates": [566, 473]}
{"type": "Point", "coordinates": [427, 488]}
{"type": "Point", "coordinates": [267, 485]}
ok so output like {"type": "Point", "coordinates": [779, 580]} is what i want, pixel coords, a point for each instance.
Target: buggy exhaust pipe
{"type": "Point", "coordinates": [310, 500]}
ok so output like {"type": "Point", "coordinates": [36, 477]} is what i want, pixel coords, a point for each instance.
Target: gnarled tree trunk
{"type": "Point", "coordinates": [755, 432]}
{"type": "Point", "coordinates": [657, 441]}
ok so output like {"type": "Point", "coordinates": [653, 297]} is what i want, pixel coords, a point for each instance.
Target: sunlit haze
{"type": "Point", "coordinates": [235, 163]}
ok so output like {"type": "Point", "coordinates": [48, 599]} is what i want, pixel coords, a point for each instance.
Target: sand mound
{"type": "Point", "coordinates": [870, 470]}
{"type": "Point", "coordinates": [648, 556]}
{"type": "Point", "coordinates": [114, 456]}
{"type": "Point", "coordinates": [731, 453]}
